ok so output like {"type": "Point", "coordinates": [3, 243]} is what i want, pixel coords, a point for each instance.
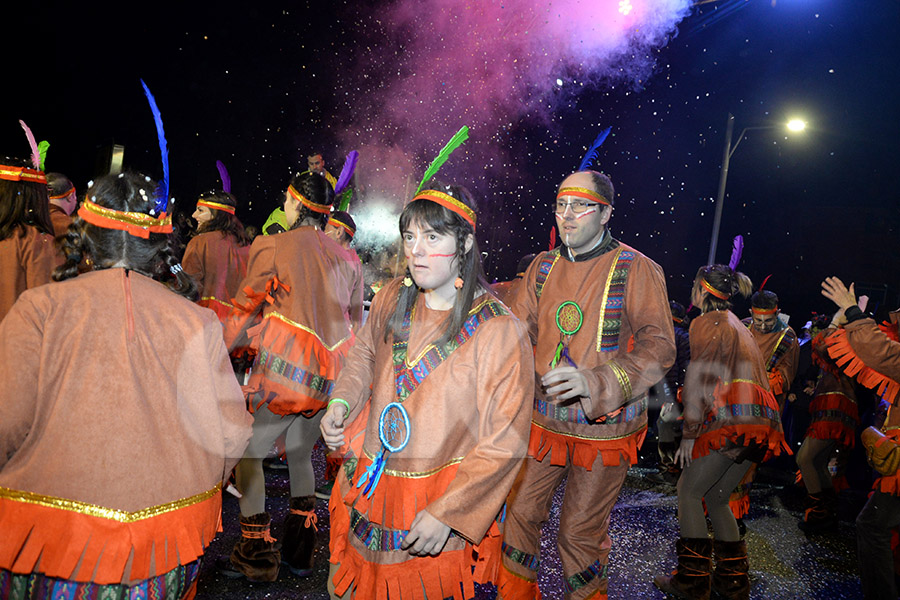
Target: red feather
{"type": "Point", "coordinates": [552, 238]}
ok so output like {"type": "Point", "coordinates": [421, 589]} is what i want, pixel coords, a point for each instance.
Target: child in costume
{"type": "Point", "coordinates": [120, 415]}
{"type": "Point", "coordinates": [414, 512]}
{"type": "Point", "coordinates": [731, 420]}
{"type": "Point", "coordinates": [308, 291]}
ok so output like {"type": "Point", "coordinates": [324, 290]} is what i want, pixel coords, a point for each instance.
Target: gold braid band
{"type": "Point", "coordinates": [22, 174]}
{"type": "Point", "coordinates": [448, 202]}
{"type": "Point", "coordinates": [137, 224]}
{"type": "Point", "coordinates": [709, 288]}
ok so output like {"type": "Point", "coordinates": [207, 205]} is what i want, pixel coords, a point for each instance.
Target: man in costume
{"type": "Point", "coordinates": [276, 223]}
{"type": "Point", "coordinates": [585, 304]}
{"type": "Point", "coordinates": [63, 201]}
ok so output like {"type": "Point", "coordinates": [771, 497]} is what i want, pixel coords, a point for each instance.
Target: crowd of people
{"type": "Point", "coordinates": [142, 379]}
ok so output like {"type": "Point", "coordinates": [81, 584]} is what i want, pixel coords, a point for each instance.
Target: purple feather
{"type": "Point", "coordinates": [35, 153]}
{"type": "Point", "coordinates": [162, 201]}
{"type": "Point", "coordinates": [223, 174]}
{"type": "Point", "coordinates": [736, 251]}
{"type": "Point", "coordinates": [594, 150]}
{"type": "Point", "coordinates": [346, 172]}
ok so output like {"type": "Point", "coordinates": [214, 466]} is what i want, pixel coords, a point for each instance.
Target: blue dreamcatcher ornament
{"type": "Point", "coordinates": [394, 431]}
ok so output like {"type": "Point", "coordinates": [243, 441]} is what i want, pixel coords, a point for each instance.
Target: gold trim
{"type": "Point", "coordinates": [623, 378]}
{"type": "Point", "coordinates": [739, 381]}
{"type": "Point", "coordinates": [92, 510]}
{"type": "Point", "coordinates": [223, 303]}
{"type": "Point", "coordinates": [281, 317]}
{"type": "Point", "coordinates": [775, 347]}
{"type": "Point", "coordinates": [417, 474]}
{"type": "Point", "coordinates": [585, 437]}
{"type": "Point", "coordinates": [428, 348]}
{"type": "Point", "coordinates": [612, 270]}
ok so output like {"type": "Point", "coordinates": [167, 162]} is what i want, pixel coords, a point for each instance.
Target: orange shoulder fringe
{"type": "Point", "coordinates": [583, 452]}
{"type": "Point", "coordinates": [171, 535]}
{"type": "Point", "coordinates": [842, 352]}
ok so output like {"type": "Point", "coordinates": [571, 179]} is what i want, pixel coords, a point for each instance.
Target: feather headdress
{"type": "Point", "coordinates": [594, 151]}
{"type": "Point", "coordinates": [162, 201]}
{"type": "Point", "coordinates": [223, 175]}
{"type": "Point", "coordinates": [736, 251]}
{"type": "Point", "coordinates": [35, 152]}
{"type": "Point", "coordinates": [455, 142]}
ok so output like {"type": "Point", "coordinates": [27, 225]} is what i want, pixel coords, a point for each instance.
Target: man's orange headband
{"type": "Point", "coordinates": [448, 202]}
{"type": "Point", "coordinates": [319, 208]}
{"type": "Point", "coordinates": [764, 311]}
{"type": "Point", "coordinates": [137, 224]}
{"type": "Point", "coordinates": [63, 195]}
{"type": "Point", "coordinates": [216, 206]}
{"type": "Point", "coordinates": [714, 291]}
{"type": "Point", "coordinates": [350, 231]}
{"type": "Point", "coordinates": [22, 174]}
{"type": "Point", "coordinates": [582, 193]}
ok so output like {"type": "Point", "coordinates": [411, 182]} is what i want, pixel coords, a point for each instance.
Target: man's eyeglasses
{"type": "Point", "coordinates": [577, 206]}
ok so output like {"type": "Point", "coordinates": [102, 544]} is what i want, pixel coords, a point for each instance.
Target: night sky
{"type": "Point", "coordinates": [258, 85]}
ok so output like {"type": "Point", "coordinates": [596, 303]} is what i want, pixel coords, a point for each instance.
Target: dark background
{"type": "Point", "coordinates": [258, 84]}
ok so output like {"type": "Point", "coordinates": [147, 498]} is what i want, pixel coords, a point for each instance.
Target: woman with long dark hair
{"type": "Point", "coordinates": [120, 415]}
{"type": "Point", "coordinates": [731, 420]}
{"type": "Point", "coordinates": [216, 258]}
{"type": "Point", "coordinates": [27, 253]}
{"type": "Point", "coordinates": [450, 375]}
{"type": "Point", "coordinates": [307, 291]}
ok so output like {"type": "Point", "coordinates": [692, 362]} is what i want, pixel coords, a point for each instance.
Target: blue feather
{"type": "Point", "coordinates": [162, 201]}
{"type": "Point", "coordinates": [593, 153]}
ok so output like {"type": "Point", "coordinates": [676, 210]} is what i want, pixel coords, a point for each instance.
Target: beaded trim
{"type": "Point", "coordinates": [269, 361]}
{"type": "Point", "coordinates": [580, 580]}
{"type": "Point", "coordinates": [573, 414]}
{"type": "Point", "coordinates": [529, 561]}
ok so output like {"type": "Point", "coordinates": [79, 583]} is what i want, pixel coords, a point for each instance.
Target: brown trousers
{"type": "Point", "coordinates": [583, 541]}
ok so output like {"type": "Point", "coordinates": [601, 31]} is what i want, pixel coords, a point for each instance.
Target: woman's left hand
{"type": "Point", "coordinates": [426, 536]}
{"type": "Point", "coordinates": [684, 453]}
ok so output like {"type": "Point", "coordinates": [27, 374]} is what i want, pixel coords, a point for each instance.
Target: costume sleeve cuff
{"type": "Point", "coordinates": [854, 313]}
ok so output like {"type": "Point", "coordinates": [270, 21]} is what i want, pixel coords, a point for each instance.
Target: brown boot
{"type": "Point", "coordinates": [821, 512]}
{"type": "Point", "coordinates": [691, 579]}
{"type": "Point", "coordinates": [256, 555]}
{"type": "Point", "coordinates": [730, 579]}
{"type": "Point", "coordinates": [299, 539]}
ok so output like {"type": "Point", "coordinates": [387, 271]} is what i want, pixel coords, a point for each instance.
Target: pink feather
{"type": "Point", "coordinates": [35, 153]}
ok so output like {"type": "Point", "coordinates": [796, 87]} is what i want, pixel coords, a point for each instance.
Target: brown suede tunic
{"type": "Point", "coordinates": [60, 220]}
{"type": "Point", "coordinates": [618, 374]}
{"type": "Point", "coordinates": [218, 265]}
{"type": "Point", "coordinates": [26, 261]}
{"type": "Point", "coordinates": [117, 393]}
{"type": "Point", "coordinates": [786, 364]}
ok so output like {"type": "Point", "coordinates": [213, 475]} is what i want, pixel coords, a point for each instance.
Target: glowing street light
{"type": "Point", "coordinates": [795, 125]}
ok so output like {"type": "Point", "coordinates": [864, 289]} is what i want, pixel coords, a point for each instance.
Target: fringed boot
{"type": "Point", "coordinates": [256, 555]}
{"type": "Point", "coordinates": [821, 512]}
{"type": "Point", "coordinates": [299, 539]}
{"type": "Point", "coordinates": [691, 579]}
{"type": "Point", "coordinates": [731, 579]}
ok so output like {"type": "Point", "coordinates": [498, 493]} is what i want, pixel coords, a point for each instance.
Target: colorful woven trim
{"type": "Point", "coordinates": [731, 411]}
{"type": "Point", "coordinates": [409, 376]}
{"type": "Point", "coordinates": [573, 414]}
{"type": "Point", "coordinates": [544, 269]}
{"type": "Point", "coordinates": [22, 174]}
{"type": "Point", "coordinates": [319, 208]}
{"type": "Point", "coordinates": [580, 192]}
{"type": "Point", "coordinates": [137, 224]}
{"type": "Point", "coordinates": [216, 206]}
{"type": "Point", "coordinates": [169, 586]}
{"type": "Point", "coordinates": [267, 361]}
{"type": "Point", "coordinates": [763, 311]}
{"type": "Point", "coordinates": [787, 339]}
{"type": "Point", "coordinates": [63, 195]}
{"type": "Point", "coordinates": [613, 303]}
{"type": "Point", "coordinates": [529, 561]}
{"type": "Point", "coordinates": [580, 580]}
{"type": "Point", "coordinates": [337, 223]}
{"type": "Point", "coordinates": [448, 202]}
{"type": "Point", "coordinates": [709, 288]}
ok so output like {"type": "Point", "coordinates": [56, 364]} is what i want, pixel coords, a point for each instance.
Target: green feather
{"type": "Point", "coordinates": [455, 142]}
{"type": "Point", "coordinates": [42, 150]}
{"type": "Point", "coordinates": [345, 197]}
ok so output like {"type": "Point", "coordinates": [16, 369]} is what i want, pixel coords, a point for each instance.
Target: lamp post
{"type": "Point", "coordinates": [793, 125]}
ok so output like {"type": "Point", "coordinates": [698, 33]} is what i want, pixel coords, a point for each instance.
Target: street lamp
{"type": "Point", "coordinates": [793, 125]}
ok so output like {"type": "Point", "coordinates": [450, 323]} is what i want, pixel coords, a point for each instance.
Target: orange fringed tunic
{"type": "Point", "coordinates": [780, 353]}
{"type": "Point", "coordinates": [469, 431]}
{"type": "Point", "coordinates": [27, 260]}
{"type": "Point", "coordinates": [626, 344]}
{"type": "Point", "coordinates": [871, 354]}
{"type": "Point", "coordinates": [834, 412]}
{"type": "Point", "coordinates": [119, 418]}
{"type": "Point", "coordinates": [727, 402]}
{"type": "Point", "coordinates": [218, 265]}
{"type": "Point", "coordinates": [308, 291]}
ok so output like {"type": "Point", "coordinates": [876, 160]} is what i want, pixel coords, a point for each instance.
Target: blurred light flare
{"type": "Point", "coordinates": [796, 125]}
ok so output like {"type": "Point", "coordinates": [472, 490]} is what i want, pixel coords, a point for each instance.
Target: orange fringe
{"type": "Point", "coordinates": [841, 432]}
{"type": "Point", "coordinates": [832, 430]}
{"type": "Point", "coordinates": [842, 352]}
{"type": "Point", "coordinates": [511, 586]}
{"type": "Point", "coordinates": [776, 382]}
{"type": "Point", "coordinates": [583, 453]}
{"type": "Point", "coordinates": [31, 540]}
{"type": "Point", "coordinates": [739, 506]}
{"type": "Point", "coordinates": [762, 435]}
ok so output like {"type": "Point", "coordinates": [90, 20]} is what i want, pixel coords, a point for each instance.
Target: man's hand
{"type": "Point", "coordinates": [426, 536]}
{"type": "Point", "coordinates": [564, 383]}
{"type": "Point", "coordinates": [332, 426]}
{"type": "Point", "coordinates": [684, 452]}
